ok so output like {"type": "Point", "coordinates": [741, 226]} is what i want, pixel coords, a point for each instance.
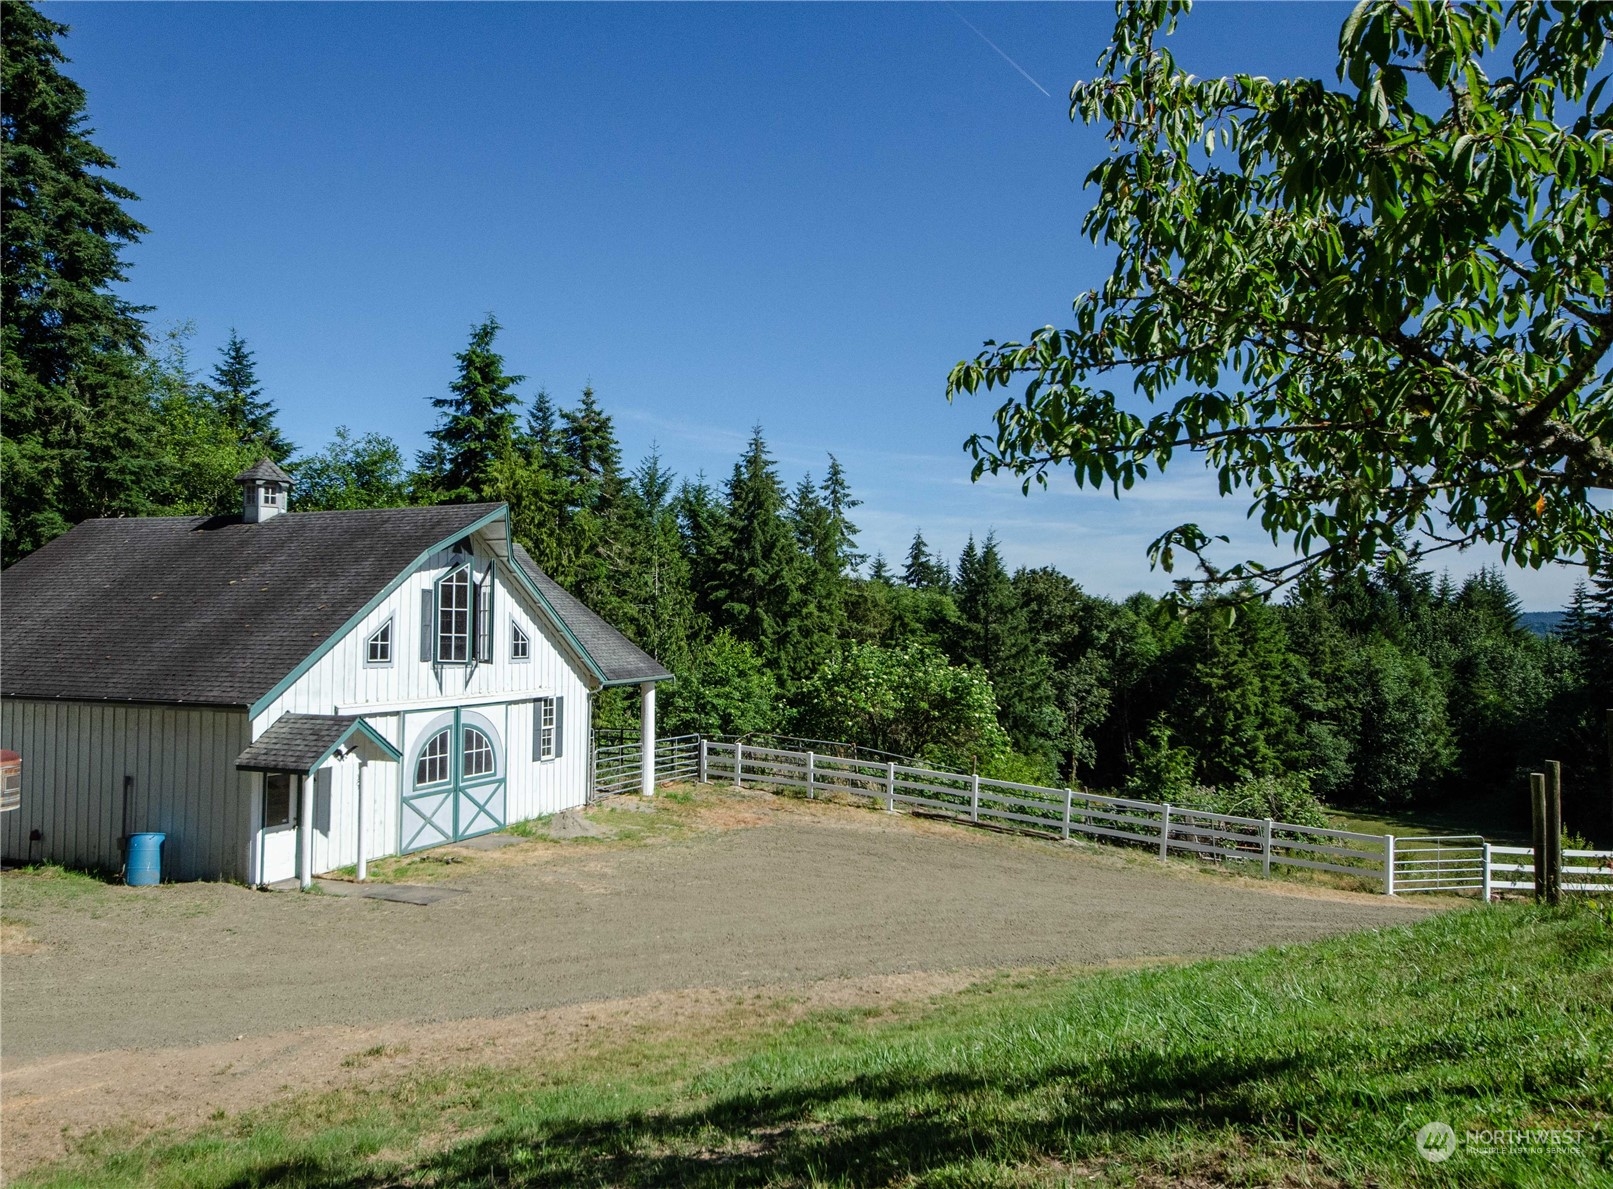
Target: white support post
{"type": "Point", "coordinates": [739, 762]}
{"type": "Point", "coordinates": [1484, 877]}
{"type": "Point", "coordinates": [974, 797]}
{"type": "Point", "coordinates": [647, 739]}
{"type": "Point", "coordinates": [360, 866]}
{"type": "Point", "coordinates": [1067, 797]}
{"type": "Point", "coordinates": [702, 759]}
{"type": "Point", "coordinates": [812, 765]}
{"type": "Point", "coordinates": [1165, 832]}
{"type": "Point", "coordinates": [305, 835]}
{"type": "Point", "coordinates": [1265, 848]}
{"type": "Point", "coordinates": [890, 786]}
{"type": "Point", "coordinates": [1388, 864]}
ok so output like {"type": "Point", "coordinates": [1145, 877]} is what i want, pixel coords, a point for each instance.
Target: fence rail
{"type": "Point", "coordinates": [1062, 813]}
{"type": "Point", "coordinates": [620, 767]}
{"type": "Point", "coordinates": [1512, 868]}
{"type": "Point", "coordinates": [1450, 863]}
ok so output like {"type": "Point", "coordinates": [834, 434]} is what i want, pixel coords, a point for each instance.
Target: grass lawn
{"type": "Point", "coordinates": [1502, 818]}
{"type": "Point", "coordinates": [1303, 1065]}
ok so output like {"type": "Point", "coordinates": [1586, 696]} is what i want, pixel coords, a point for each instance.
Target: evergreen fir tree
{"type": "Point", "coordinates": [542, 442]}
{"type": "Point", "coordinates": [700, 530]}
{"type": "Point", "coordinates": [880, 571]}
{"type": "Point", "coordinates": [837, 499]}
{"type": "Point", "coordinates": [993, 634]}
{"type": "Point", "coordinates": [475, 436]}
{"type": "Point", "coordinates": [1233, 697]}
{"type": "Point", "coordinates": [592, 457]}
{"type": "Point", "coordinates": [596, 527]}
{"type": "Point", "coordinates": [239, 398]}
{"type": "Point", "coordinates": [758, 580]}
{"type": "Point", "coordinates": [81, 436]}
{"type": "Point", "coordinates": [923, 571]}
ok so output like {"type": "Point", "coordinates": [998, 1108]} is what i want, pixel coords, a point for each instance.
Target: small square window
{"type": "Point", "coordinates": [271, 495]}
{"type": "Point", "coordinates": [378, 648]}
{"type": "Point", "coordinates": [520, 643]}
{"type": "Point", "coordinates": [279, 806]}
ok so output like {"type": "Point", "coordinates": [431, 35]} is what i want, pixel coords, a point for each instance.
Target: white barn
{"type": "Point", "coordinates": [277, 691]}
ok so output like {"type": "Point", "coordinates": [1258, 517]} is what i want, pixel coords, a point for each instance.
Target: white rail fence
{"type": "Point", "coordinates": [1512, 868]}
{"type": "Point", "coordinates": [1061, 813]}
{"type": "Point", "coordinates": [1452, 863]}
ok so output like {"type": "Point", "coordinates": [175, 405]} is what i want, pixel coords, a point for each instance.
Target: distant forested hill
{"type": "Point", "coordinates": [1541, 623]}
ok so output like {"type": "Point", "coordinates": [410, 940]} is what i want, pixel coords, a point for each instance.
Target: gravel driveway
{"type": "Point", "coordinates": [729, 889]}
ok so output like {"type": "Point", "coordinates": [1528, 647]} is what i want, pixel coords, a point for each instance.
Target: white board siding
{"type": "Point", "coordinates": [341, 677]}
{"type": "Point", "coordinates": [341, 681]}
{"type": "Point", "coordinates": [75, 756]}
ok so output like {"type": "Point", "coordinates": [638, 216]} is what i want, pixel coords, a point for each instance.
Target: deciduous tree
{"type": "Point", "coordinates": [1382, 308]}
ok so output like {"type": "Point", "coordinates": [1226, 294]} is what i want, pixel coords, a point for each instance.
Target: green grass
{"type": "Point", "coordinates": [1500, 817]}
{"type": "Point", "coordinates": [1302, 1065]}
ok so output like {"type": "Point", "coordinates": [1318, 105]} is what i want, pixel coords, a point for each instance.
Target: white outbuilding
{"type": "Point", "coordinates": [287, 693]}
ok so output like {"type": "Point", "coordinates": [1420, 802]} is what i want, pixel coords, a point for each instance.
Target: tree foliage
{"type": "Point", "coordinates": [908, 700]}
{"type": "Point", "coordinates": [239, 396]}
{"type": "Point", "coordinates": [80, 430]}
{"type": "Point", "coordinates": [351, 472]}
{"type": "Point", "coordinates": [1381, 309]}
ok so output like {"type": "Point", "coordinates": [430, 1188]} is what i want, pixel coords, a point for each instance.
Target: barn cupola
{"type": "Point", "coordinates": [265, 490]}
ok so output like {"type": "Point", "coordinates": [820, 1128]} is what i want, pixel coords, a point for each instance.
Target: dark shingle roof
{"type": "Point", "coordinates": [301, 742]}
{"type": "Point", "coordinates": [619, 660]}
{"type": "Point", "coordinates": [200, 610]}
{"type": "Point", "coordinates": [265, 469]}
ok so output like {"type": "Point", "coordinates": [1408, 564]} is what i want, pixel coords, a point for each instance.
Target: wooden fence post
{"type": "Point", "coordinates": [1165, 832]}
{"type": "Point", "coordinates": [812, 764]}
{"type": "Point", "coordinates": [1537, 817]}
{"type": "Point", "coordinates": [890, 786]}
{"type": "Point", "coordinates": [1554, 831]}
{"type": "Point", "coordinates": [739, 762]}
{"type": "Point", "coordinates": [1067, 797]}
{"type": "Point", "coordinates": [974, 797]}
{"type": "Point", "coordinates": [1388, 864]}
{"type": "Point", "coordinates": [1265, 848]}
{"type": "Point", "coordinates": [1484, 877]}
{"type": "Point", "coordinates": [702, 759]}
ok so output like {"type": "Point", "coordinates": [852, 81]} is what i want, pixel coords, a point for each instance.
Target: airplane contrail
{"type": "Point", "coordinates": [1002, 55]}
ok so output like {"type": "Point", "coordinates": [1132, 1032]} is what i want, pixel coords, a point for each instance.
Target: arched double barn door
{"type": "Point", "coordinates": [456, 786]}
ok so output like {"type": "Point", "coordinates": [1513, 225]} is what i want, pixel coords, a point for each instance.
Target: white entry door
{"type": "Point", "coordinates": [277, 840]}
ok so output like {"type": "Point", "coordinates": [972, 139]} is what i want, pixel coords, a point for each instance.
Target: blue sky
{"type": "Point", "coordinates": [720, 215]}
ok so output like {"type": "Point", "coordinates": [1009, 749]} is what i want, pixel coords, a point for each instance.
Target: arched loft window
{"type": "Point", "coordinates": [432, 767]}
{"type": "Point", "coordinates": [479, 757]}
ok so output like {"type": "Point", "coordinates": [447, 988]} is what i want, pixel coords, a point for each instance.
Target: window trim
{"type": "Point", "coordinates": [465, 774]}
{"type": "Point", "coordinates": [468, 636]}
{"type": "Point", "coordinates": [369, 646]}
{"type": "Point", "coordinates": [519, 639]}
{"type": "Point", "coordinates": [548, 721]}
{"type": "Point", "coordinates": [446, 731]}
{"type": "Point", "coordinates": [293, 803]}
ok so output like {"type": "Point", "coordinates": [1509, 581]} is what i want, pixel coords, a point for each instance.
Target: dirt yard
{"type": "Point", "coordinates": [664, 915]}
